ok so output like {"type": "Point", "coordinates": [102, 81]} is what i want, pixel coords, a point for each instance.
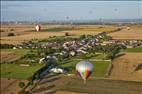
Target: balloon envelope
{"type": "Point", "coordinates": [37, 28]}
{"type": "Point", "coordinates": [84, 69]}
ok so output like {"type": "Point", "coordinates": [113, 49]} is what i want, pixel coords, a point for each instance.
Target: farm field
{"type": "Point", "coordinates": [27, 32]}
{"type": "Point", "coordinates": [138, 50]}
{"type": "Point", "coordinates": [125, 67]}
{"type": "Point", "coordinates": [61, 84]}
{"type": "Point", "coordinates": [9, 55]}
{"type": "Point", "coordinates": [135, 32]}
{"type": "Point", "coordinates": [10, 86]}
{"type": "Point", "coordinates": [18, 72]}
{"type": "Point", "coordinates": [12, 66]}
{"type": "Point", "coordinates": [103, 87]}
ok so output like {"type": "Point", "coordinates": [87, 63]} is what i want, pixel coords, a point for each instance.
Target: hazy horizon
{"type": "Point", "coordinates": [69, 10]}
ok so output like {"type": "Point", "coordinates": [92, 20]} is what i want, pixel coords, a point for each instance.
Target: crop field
{"type": "Point", "coordinates": [62, 84]}
{"type": "Point", "coordinates": [134, 32]}
{"type": "Point", "coordinates": [17, 51]}
{"type": "Point", "coordinates": [10, 86]}
{"type": "Point", "coordinates": [125, 67]}
{"type": "Point", "coordinates": [15, 70]}
{"type": "Point", "coordinates": [8, 55]}
{"type": "Point", "coordinates": [22, 32]}
{"type": "Point", "coordinates": [27, 32]}
{"type": "Point", "coordinates": [18, 72]}
{"type": "Point", "coordinates": [100, 86]}
{"type": "Point", "coordinates": [138, 50]}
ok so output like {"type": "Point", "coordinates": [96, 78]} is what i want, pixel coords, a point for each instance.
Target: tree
{"type": "Point", "coordinates": [21, 84]}
{"type": "Point", "coordinates": [67, 34]}
{"type": "Point", "coordinates": [11, 34]}
{"type": "Point", "coordinates": [114, 53]}
{"type": "Point", "coordinates": [82, 36]}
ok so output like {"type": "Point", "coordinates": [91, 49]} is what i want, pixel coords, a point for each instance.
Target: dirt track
{"type": "Point", "coordinates": [124, 67]}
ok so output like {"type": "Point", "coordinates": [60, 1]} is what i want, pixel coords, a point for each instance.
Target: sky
{"type": "Point", "coordinates": [69, 10]}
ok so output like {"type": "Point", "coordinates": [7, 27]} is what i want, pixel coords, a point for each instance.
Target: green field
{"type": "Point", "coordinates": [18, 72]}
{"type": "Point", "coordinates": [14, 70]}
{"type": "Point", "coordinates": [100, 67]}
{"type": "Point", "coordinates": [134, 50]}
{"type": "Point", "coordinates": [17, 51]}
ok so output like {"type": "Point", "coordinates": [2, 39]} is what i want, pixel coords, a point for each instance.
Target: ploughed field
{"type": "Point", "coordinates": [126, 67]}
{"type": "Point", "coordinates": [60, 84]}
{"type": "Point", "coordinates": [10, 86]}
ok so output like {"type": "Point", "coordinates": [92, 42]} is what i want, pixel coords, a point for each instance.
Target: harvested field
{"type": "Point", "coordinates": [33, 35]}
{"type": "Point", "coordinates": [124, 67]}
{"type": "Point", "coordinates": [127, 34]}
{"type": "Point", "coordinates": [60, 84]}
{"type": "Point", "coordinates": [25, 32]}
{"type": "Point", "coordinates": [22, 34]}
{"type": "Point", "coordinates": [10, 86]}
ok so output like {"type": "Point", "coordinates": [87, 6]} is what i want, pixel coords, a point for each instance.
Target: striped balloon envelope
{"type": "Point", "coordinates": [84, 69]}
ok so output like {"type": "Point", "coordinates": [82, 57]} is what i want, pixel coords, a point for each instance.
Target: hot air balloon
{"type": "Point", "coordinates": [84, 69]}
{"type": "Point", "coordinates": [37, 27]}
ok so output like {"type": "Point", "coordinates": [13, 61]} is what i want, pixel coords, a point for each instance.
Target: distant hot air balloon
{"type": "Point", "coordinates": [84, 69]}
{"type": "Point", "coordinates": [37, 28]}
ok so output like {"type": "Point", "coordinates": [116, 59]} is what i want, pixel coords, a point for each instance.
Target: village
{"type": "Point", "coordinates": [57, 49]}
{"type": "Point", "coordinates": [67, 46]}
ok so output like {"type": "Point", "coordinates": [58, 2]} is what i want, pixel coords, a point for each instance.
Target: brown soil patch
{"type": "Point", "coordinates": [8, 56]}
{"type": "Point", "coordinates": [124, 67]}
{"type": "Point", "coordinates": [9, 86]}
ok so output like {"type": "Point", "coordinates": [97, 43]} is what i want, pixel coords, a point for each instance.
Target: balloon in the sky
{"type": "Point", "coordinates": [84, 69]}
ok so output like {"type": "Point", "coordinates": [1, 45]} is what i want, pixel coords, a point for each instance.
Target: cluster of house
{"type": "Point", "coordinates": [80, 45]}
{"type": "Point", "coordinates": [75, 47]}
{"type": "Point", "coordinates": [126, 43]}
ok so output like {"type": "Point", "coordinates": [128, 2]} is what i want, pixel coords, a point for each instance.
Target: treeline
{"type": "Point", "coordinates": [5, 46]}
